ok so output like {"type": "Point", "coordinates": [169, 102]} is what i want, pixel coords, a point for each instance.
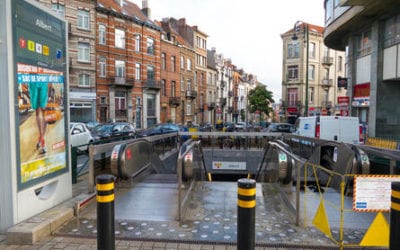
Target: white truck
{"type": "Point", "coordinates": [345, 129]}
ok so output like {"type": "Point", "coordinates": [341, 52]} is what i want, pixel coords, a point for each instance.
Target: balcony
{"type": "Point", "coordinates": [121, 81]}
{"type": "Point", "coordinates": [222, 101]}
{"type": "Point", "coordinates": [327, 60]}
{"type": "Point", "coordinates": [326, 83]}
{"type": "Point", "coordinates": [191, 94]}
{"type": "Point", "coordinates": [120, 112]}
{"type": "Point", "coordinates": [152, 84]}
{"type": "Point", "coordinates": [174, 101]}
{"type": "Point", "coordinates": [211, 105]}
{"type": "Point", "coordinates": [291, 104]}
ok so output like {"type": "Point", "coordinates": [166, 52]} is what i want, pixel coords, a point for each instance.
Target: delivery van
{"type": "Point", "coordinates": [345, 129]}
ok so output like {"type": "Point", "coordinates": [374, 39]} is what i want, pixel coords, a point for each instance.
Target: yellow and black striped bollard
{"type": "Point", "coordinates": [246, 214]}
{"type": "Point", "coordinates": [105, 212]}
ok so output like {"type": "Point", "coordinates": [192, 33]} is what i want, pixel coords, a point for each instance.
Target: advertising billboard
{"type": "Point", "coordinates": [39, 48]}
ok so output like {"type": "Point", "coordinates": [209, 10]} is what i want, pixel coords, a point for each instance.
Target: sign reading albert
{"type": "Point", "coordinates": [39, 41]}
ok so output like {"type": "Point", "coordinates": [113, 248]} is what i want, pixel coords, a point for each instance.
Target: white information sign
{"type": "Point", "coordinates": [229, 165]}
{"type": "Point", "coordinates": [373, 193]}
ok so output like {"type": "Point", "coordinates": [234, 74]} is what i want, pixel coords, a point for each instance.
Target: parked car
{"type": "Point", "coordinates": [240, 126]}
{"type": "Point", "coordinates": [159, 129]}
{"type": "Point", "coordinates": [116, 130]}
{"type": "Point", "coordinates": [80, 135]}
{"type": "Point", "coordinates": [280, 127]}
{"type": "Point", "coordinates": [92, 125]}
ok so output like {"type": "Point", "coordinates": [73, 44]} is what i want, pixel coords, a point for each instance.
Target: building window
{"type": "Point", "coordinates": [83, 19]}
{"type": "Point", "coordinates": [102, 34]}
{"type": "Point", "coordinates": [293, 50]}
{"type": "Point", "coordinates": [163, 88]}
{"type": "Point", "coordinates": [340, 63]}
{"type": "Point", "coordinates": [293, 72]}
{"type": "Point", "coordinates": [119, 68]}
{"type": "Point", "coordinates": [84, 80]}
{"type": "Point", "coordinates": [83, 52]}
{"type": "Point", "coordinates": [137, 43]}
{"type": "Point", "coordinates": [311, 72]}
{"type": "Point", "coordinates": [188, 64]}
{"type": "Point", "coordinates": [392, 31]}
{"type": "Point", "coordinates": [311, 50]}
{"type": "Point", "coordinates": [182, 83]}
{"type": "Point", "coordinates": [150, 72]}
{"type": "Point", "coordinates": [58, 8]}
{"type": "Point", "coordinates": [137, 71]}
{"type": "Point", "coordinates": [364, 44]}
{"type": "Point", "coordinates": [292, 97]}
{"type": "Point", "coordinates": [311, 95]}
{"type": "Point", "coordinates": [163, 61]}
{"type": "Point", "coordinates": [102, 67]}
{"type": "Point", "coordinates": [173, 69]}
{"type": "Point", "coordinates": [120, 38]}
{"type": "Point", "coordinates": [182, 62]}
{"type": "Point", "coordinates": [188, 108]}
{"type": "Point", "coordinates": [120, 101]}
{"type": "Point", "coordinates": [150, 46]}
{"type": "Point", "coordinates": [103, 100]}
{"type": "Point", "coordinates": [173, 88]}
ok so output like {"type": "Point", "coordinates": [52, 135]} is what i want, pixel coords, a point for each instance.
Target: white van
{"type": "Point", "coordinates": [345, 129]}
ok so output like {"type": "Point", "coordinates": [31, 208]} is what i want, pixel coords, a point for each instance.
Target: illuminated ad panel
{"type": "Point", "coordinates": [39, 41]}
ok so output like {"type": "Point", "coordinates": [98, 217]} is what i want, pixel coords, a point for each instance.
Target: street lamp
{"type": "Point", "coordinates": [294, 38]}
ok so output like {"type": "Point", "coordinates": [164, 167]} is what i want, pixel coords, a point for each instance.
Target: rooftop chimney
{"type": "Point", "coordinates": [146, 9]}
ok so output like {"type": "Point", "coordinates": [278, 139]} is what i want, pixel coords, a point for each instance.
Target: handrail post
{"type": "Point", "coordinates": [91, 169]}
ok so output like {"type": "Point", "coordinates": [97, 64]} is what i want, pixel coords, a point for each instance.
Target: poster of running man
{"type": "Point", "coordinates": [39, 40]}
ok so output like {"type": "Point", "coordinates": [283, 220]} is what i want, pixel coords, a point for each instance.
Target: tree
{"type": "Point", "coordinates": [260, 99]}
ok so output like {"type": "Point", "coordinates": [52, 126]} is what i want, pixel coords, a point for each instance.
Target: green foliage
{"type": "Point", "coordinates": [260, 99]}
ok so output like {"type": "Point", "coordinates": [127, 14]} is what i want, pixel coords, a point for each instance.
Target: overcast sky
{"type": "Point", "coordinates": [246, 31]}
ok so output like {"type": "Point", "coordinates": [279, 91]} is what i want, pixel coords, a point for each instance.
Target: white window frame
{"type": "Point", "coordinates": [83, 19]}
{"type": "Point", "coordinates": [150, 46]}
{"type": "Point", "coordinates": [137, 71]}
{"type": "Point", "coordinates": [102, 34]}
{"type": "Point", "coordinates": [102, 67]}
{"type": "Point", "coordinates": [83, 52]}
{"type": "Point", "coordinates": [137, 42]}
{"type": "Point", "coordinates": [120, 38]}
{"type": "Point", "coordinates": [120, 68]}
{"type": "Point", "coordinates": [84, 80]}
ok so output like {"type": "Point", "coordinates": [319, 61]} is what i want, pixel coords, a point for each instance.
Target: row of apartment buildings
{"type": "Point", "coordinates": [125, 67]}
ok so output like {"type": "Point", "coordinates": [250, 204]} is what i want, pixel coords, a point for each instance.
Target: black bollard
{"type": "Point", "coordinates": [246, 214]}
{"type": "Point", "coordinates": [394, 242]}
{"type": "Point", "coordinates": [105, 212]}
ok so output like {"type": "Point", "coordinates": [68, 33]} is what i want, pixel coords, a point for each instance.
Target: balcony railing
{"type": "Point", "coordinates": [327, 82]}
{"type": "Point", "coordinates": [120, 112]}
{"type": "Point", "coordinates": [327, 60]}
{"type": "Point", "coordinates": [191, 94]}
{"type": "Point", "coordinates": [152, 84]}
{"type": "Point", "coordinates": [291, 104]}
{"type": "Point", "coordinates": [174, 101]}
{"type": "Point", "coordinates": [121, 81]}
